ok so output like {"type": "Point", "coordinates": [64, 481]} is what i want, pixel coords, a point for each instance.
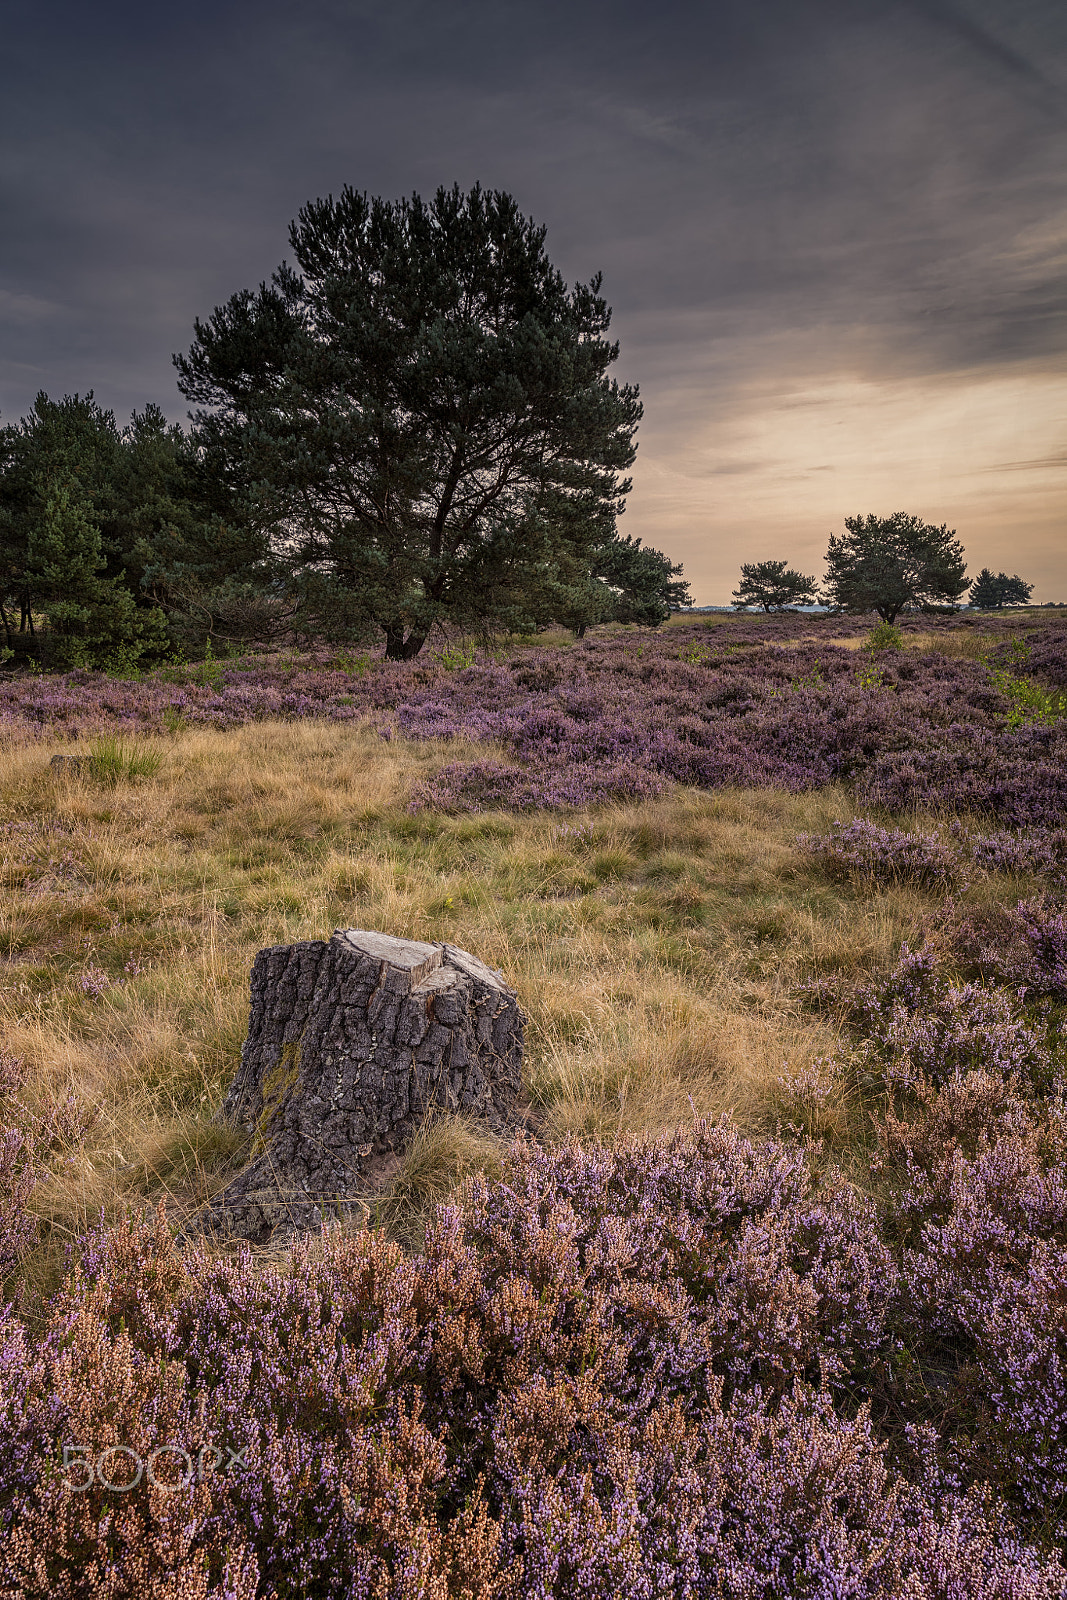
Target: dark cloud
{"type": "Point", "coordinates": [1001, 55]}
{"type": "Point", "coordinates": [847, 186]}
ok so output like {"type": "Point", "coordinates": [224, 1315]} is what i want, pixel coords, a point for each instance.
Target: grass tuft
{"type": "Point", "coordinates": [113, 760]}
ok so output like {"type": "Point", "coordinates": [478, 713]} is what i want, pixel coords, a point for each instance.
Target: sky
{"type": "Point", "coordinates": [833, 232]}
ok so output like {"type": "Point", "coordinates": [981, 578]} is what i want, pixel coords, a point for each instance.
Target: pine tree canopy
{"type": "Point", "coordinates": [421, 416]}
{"type": "Point", "coordinates": [774, 586]}
{"type": "Point", "coordinates": [991, 592]}
{"type": "Point", "coordinates": [80, 502]}
{"type": "Point", "coordinates": [894, 564]}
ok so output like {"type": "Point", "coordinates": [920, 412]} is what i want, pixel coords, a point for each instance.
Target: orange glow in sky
{"type": "Point", "coordinates": [774, 473]}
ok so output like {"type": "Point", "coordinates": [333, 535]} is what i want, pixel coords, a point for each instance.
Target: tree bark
{"type": "Point", "coordinates": [352, 1041]}
{"type": "Point", "coordinates": [397, 648]}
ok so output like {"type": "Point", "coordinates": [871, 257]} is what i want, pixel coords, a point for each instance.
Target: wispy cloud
{"type": "Point", "coordinates": [1015, 65]}
{"type": "Point", "coordinates": [1041, 463]}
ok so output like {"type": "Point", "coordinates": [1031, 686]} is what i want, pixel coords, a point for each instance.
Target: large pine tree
{"type": "Point", "coordinates": [422, 417]}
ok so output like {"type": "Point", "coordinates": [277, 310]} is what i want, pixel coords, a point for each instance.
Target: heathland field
{"type": "Point", "coordinates": [770, 1298]}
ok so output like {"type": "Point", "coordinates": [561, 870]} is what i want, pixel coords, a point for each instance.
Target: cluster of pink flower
{"type": "Point", "coordinates": [939, 860]}
{"type": "Point", "coordinates": [614, 717]}
{"type": "Point", "coordinates": [972, 1077]}
{"type": "Point", "coordinates": [1023, 946]}
{"type": "Point", "coordinates": [673, 1368]}
{"type": "Point", "coordinates": [863, 849]}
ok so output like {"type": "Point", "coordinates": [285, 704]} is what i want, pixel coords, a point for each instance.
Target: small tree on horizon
{"type": "Point", "coordinates": [991, 593]}
{"type": "Point", "coordinates": [893, 564]}
{"type": "Point", "coordinates": [774, 586]}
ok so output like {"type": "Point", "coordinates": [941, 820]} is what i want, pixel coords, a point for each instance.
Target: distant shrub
{"type": "Point", "coordinates": [1022, 946]}
{"type": "Point", "coordinates": [1016, 776]}
{"type": "Point", "coordinates": [921, 1029]}
{"type": "Point", "coordinates": [486, 785]}
{"type": "Point", "coordinates": [1029, 702]}
{"type": "Point", "coordinates": [1047, 660]}
{"type": "Point", "coordinates": [864, 850]}
{"type": "Point", "coordinates": [208, 671]}
{"type": "Point", "coordinates": [358, 663]}
{"type": "Point", "coordinates": [1030, 852]}
{"type": "Point", "coordinates": [457, 656]}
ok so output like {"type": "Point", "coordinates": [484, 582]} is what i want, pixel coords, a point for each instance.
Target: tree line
{"type": "Point", "coordinates": [411, 427]}
{"type": "Point", "coordinates": [883, 564]}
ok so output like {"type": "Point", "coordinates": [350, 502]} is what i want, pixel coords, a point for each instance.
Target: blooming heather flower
{"type": "Point", "coordinates": [604, 720]}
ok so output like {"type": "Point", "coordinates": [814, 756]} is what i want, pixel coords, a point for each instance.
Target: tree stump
{"type": "Point", "coordinates": [351, 1042]}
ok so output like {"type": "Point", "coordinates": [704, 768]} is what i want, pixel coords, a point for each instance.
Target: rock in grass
{"type": "Point", "coordinates": [352, 1041]}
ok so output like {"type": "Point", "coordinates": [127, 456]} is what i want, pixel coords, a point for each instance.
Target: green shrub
{"type": "Point", "coordinates": [1028, 701]}
{"type": "Point", "coordinates": [885, 636]}
{"type": "Point", "coordinates": [455, 657]}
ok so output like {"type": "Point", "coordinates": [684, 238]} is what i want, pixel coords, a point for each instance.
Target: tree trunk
{"type": "Point", "coordinates": [397, 648]}
{"type": "Point", "coordinates": [351, 1043]}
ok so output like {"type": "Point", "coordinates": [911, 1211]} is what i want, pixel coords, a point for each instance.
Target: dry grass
{"type": "Point", "coordinates": [444, 1151]}
{"type": "Point", "coordinates": [655, 946]}
{"type": "Point", "coordinates": [968, 642]}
